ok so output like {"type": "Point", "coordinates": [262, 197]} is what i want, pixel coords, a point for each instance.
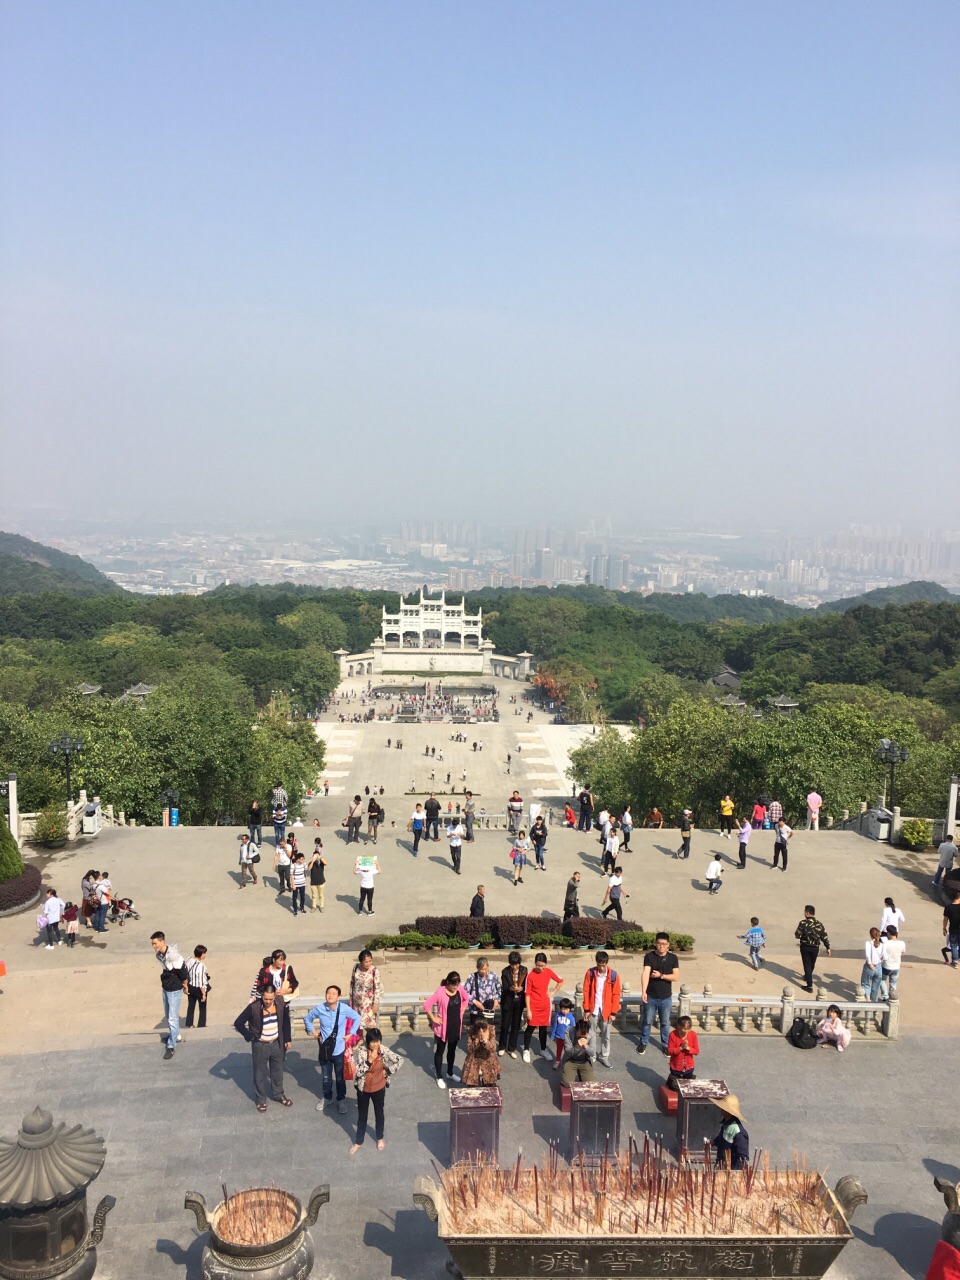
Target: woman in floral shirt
{"type": "Point", "coordinates": [366, 990]}
{"type": "Point", "coordinates": [484, 989]}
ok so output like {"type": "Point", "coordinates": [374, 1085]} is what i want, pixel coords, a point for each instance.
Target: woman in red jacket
{"type": "Point", "coordinates": [683, 1047]}
{"type": "Point", "coordinates": [538, 999]}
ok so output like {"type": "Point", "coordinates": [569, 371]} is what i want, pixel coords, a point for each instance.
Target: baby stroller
{"type": "Point", "coordinates": [122, 909]}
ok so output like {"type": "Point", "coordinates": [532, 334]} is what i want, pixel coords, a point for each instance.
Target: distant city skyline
{"type": "Point", "coordinates": [690, 265]}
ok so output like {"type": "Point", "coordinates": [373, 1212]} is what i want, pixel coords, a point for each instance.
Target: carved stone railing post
{"type": "Point", "coordinates": [683, 1010]}
{"type": "Point", "coordinates": [891, 1019]}
{"type": "Point", "coordinates": [786, 1010]}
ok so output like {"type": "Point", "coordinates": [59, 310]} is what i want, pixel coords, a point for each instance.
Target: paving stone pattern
{"type": "Point", "coordinates": [190, 1125]}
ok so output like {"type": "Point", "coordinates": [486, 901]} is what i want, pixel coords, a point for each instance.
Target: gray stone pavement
{"type": "Point", "coordinates": [190, 1125]}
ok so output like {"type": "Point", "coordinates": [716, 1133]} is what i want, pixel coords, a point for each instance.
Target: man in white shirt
{"type": "Point", "coordinates": [455, 834]}
{"type": "Point", "coordinates": [52, 912]}
{"type": "Point", "coordinates": [947, 852]}
{"type": "Point", "coordinates": [782, 835]}
{"type": "Point", "coordinates": [714, 870]}
{"type": "Point", "coordinates": [247, 865]}
{"type": "Point", "coordinates": [891, 956]}
{"type": "Point", "coordinates": [366, 873]}
{"type": "Point", "coordinates": [281, 865]}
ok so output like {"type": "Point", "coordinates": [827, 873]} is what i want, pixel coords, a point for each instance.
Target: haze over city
{"type": "Point", "coordinates": [536, 264]}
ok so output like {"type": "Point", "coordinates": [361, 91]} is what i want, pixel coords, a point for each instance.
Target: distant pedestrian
{"type": "Point", "coordinates": [88, 896]}
{"type": "Point", "coordinates": [614, 894]}
{"type": "Point", "coordinates": [774, 812]}
{"type": "Point", "coordinates": [198, 984]}
{"type": "Point", "coordinates": [686, 831]}
{"type": "Point", "coordinates": [626, 826]}
{"type": "Point", "coordinates": [713, 876]}
{"type": "Point", "coordinates": [279, 823]}
{"type": "Point", "coordinates": [173, 986]}
{"type": "Point", "coordinates": [71, 920]}
{"type": "Point", "coordinates": [743, 835]}
{"type": "Point", "coordinates": [891, 914]}
{"type": "Point", "coordinates": [892, 949]}
{"type": "Point", "coordinates": [255, 823]}
{"type": "Point", "coordinates": [104, 892]}
{"type": "Point", "coordinates": [585, 799]}
{"type": "Point", "coordinates": [755, 939]}
{"type": "Point", "coordinates": [520, 853]}
{"type": "Point", "coordinates": [417, 826]}
{"type": "Point", "coordinates": [947, 852]}
{"type": "Point", "coordinates": [759, 815]}
{"type": "Point", "coordinates": [811, 934]}
{"type": "Point", "coordinates": [514, 812]}
{"type": "Point", "coordinates": [249, 855]}
{"type": "Point", "coordinates": [782, 835]}
{"type": "Point", "coordinates": [432, 810]}
{"type": "Point", "coordinates": [53, 908]}
{"type": "Point", "coordinates": [298, 882]}
{"type": "Point", "coordinates": [373, 1066]}
{"type": "Point", "coordinates": [317, 867]}
{"type": "Point", "coordinates": [281, 865]}
{"type": "Point", "coordinates": [814, 805]}
{"type": "Point", "coordinates": [538, 838]}
{"type": "Point", "coordinates": [477, 905]}
{"type": "Point", "coordinates": [871, 976]}
{"type": "Point", "coordinates": [265, 1025]}
{"type": "Point", "coordinates": [611, 847]}
{"type": "Point", "coordinates": [726, 816]}
{"type": "Point", "coordinates": [571, 898]}
{"type": "Point", "coordinates": [455, 834]}
{"type": "Point", "coordinates": [366, 873]}
{"type": "Point", "coordinates": [374, 818]}
{"type": "Point", "coordinates": [354, 820]}
{"type": "Point", "coordinates": [469, 811]}
{"type": "Point", "coordinates": [951, 930]}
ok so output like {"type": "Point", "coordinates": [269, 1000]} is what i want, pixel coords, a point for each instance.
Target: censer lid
{"type": "Point", "coordinates": [47, 1161]}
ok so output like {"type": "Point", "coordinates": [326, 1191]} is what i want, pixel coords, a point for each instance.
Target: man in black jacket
{"type": "Point", "coordinates": [477, 906]}
{"type": "Point", "coordinates": [810, 933]}
{"type": "Point", "coordinates": [173, 985]}
{"type": "Point", "coordinates": [265, 1025]}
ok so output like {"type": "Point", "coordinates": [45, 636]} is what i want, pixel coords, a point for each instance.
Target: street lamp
{"type": "Point", "coordinates": [890, 753]}
{"type": "Point", "coordinates": [66, 746]}
{"type": "Point", "coordinates": [170, 799]}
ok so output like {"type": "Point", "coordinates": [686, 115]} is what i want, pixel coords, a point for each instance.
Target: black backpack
{"type": "Point", "coordinates": [802, 1035]}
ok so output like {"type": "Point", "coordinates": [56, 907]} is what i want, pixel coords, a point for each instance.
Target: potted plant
{"type": "Point", "coordinates": [51, 827]}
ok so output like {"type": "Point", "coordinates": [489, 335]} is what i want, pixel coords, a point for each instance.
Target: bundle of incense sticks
{"type": "Point", "coordinates": [639, 1194]}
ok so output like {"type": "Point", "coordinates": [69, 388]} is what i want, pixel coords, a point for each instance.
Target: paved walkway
{"type": "Point", "coordinates": [80, 1027]}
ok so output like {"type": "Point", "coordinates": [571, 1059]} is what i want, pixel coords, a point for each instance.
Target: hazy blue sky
{"type": "Point", "coordinates": [518, 260]}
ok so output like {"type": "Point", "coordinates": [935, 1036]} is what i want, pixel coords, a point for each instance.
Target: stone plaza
{"type": "Point", "coordinates": [81, 1028]}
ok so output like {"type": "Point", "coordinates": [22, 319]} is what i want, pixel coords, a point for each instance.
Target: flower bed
{"type": "Point", "coordinates": [457, 932]}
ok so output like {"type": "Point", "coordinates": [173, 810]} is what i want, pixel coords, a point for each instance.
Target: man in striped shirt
{"type": "Point", "coordinates": [265, 1024]}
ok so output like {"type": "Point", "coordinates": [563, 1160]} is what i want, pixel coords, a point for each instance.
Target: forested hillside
{"type": "Point", "coordinates": [263, 656]}
{"type": "Point", "coordinates": [28, 567]}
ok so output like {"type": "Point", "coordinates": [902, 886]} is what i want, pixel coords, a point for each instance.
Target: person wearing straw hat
{"type": "Point", "coordinates": [733, 1141]}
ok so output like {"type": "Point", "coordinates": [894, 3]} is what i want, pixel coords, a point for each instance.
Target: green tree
{"type": "Point", "coordinates": [312, 624]}
{"type": "Point", "coordinates": [11, 863]}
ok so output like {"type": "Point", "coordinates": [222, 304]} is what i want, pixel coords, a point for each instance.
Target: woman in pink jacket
{"type": "Point", "coordinates": [445, 1009]}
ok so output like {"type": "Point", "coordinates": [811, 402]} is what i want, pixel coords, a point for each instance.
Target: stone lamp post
{"type": "Point", "coordinates": [44, 1175]}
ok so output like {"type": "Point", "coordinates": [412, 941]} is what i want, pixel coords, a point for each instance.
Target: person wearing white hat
{"type": "Point", "coordinates": [733, 1141]}
{"type": "Point", "coordinates": [686, 828]}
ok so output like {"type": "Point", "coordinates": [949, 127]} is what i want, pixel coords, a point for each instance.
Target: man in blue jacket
{"type": "Point", "coordinates": [329, 1024]}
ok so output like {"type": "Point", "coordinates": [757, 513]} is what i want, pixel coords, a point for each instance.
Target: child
{"type": "Point", "coordinates": [71, 916]}
{"type": "Point", "coordinates": [563, 1021]}
{"type": "Point", "coordinates": [755, 938]}
{"type": "Point", "coordinates": [682, 1048]}
{"type": "Point", "coordinates": [520, 852]}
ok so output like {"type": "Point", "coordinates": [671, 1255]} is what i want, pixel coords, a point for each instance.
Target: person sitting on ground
{"type": "Point", "coordinates": [654, 819]}
{"type": "Point", "coordinates": [831, 1031]}
{"type": "Point", "coordinates": [733, 1141]}
{"type": "Point", "coordinates": [580, 1053]}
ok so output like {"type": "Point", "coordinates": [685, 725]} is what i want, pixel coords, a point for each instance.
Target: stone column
{"type": "Point", "coordinates": [952, 806]}
{"type": "Point", "coordinates": [378, 646]}
{"type": "Point", "coordinates": [786, 1010]}
{"type": "Point", "coordinates": [14, 807]}
{"type": "Point", "coordinates": [891, 1019]}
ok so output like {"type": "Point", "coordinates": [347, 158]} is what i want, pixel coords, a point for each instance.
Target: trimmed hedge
{"type": "Point", "coordinates": [414, 941]}
{"type": "Point", "coordinates": [540, 931]}
{"type": "Point", "coordinates": [21, 889]}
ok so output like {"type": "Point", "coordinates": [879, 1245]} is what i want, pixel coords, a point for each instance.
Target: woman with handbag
{"type": "Point", "coordinates": [373, 1066]}
{"type": "Point", "coordinates": [88, 895]}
